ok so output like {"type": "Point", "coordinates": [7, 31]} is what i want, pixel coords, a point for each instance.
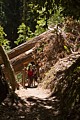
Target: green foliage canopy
{"type": "Point", "coordinates": [34, 14]}
{"type": "Point", "coordinates": [3, 42]}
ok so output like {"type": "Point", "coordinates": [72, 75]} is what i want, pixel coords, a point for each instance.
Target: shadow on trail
{"type": "Point", "coordinates": [31, 86]}
{"type": "Point", "coordinates": [34, 108]}
{"type": "Point", "coordinates": [31, 108]}
{"type": "Point", "coordinates": [43, 109]}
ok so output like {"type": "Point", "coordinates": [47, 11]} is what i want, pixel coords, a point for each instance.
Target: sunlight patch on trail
{"type": "Point", "coordinates": [33, 92]}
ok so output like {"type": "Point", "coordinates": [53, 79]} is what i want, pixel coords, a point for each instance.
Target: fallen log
{"type": "Point", "coordinates": [58, 74]}
{"type": "Point", "coordinates": [18, 63]}
{"type": "Point", "coordinates": [21, 61]}
{"type": "Point", "coordinates": [27, 45]}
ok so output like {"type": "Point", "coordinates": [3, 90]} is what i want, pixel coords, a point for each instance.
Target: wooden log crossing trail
{"type": "Point", "coordinates": [20, 55]}
{"type": "Point", "coordinates": [27, 45]}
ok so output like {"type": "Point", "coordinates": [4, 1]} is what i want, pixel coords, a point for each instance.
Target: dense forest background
{"type": "Point", "coordinates": [24, 19]}
{"type": "Point", "coordinates": [58, 53]}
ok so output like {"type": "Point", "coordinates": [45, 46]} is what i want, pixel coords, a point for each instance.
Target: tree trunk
{"type": "Point", "coordinates": [28, 45]}
{"type": "Point", "coordinates": [8, 67]}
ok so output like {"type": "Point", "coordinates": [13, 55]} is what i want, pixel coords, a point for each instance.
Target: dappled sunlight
{"type": "Point", "coordinates": [31, 107]}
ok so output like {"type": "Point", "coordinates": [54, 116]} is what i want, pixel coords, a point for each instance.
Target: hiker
{"type": "Point", "coordinates": [30, 76]}
{"type": "Point", "coordinates": [34, 74]}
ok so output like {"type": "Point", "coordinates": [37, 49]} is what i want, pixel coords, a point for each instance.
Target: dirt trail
{"type": "Point", "coordinates": [32, 92]}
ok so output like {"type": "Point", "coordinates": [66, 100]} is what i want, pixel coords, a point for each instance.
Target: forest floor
{"type": "Point", "coordinates": [30, 104]}
{"type": "Point", "coordinates": [33, 104]}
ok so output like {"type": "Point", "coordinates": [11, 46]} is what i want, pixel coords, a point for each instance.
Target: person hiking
{"type": "Point", "coordinates": [30, 76]}
{"type": "Point", "coordinates": [34, 74]}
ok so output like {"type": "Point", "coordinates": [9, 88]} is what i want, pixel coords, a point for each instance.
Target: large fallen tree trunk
{"type": "Point", "coordinates": [19, 61]}
{"type": "Point", "coordinates": [58, 75]}
{"type": "Point", "coordinates": [27, 45]}
{"type": "Point", "coordinates": [66, 86]}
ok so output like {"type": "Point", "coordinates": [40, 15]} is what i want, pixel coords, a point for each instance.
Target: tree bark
{"type": "Point", "coordinates": [27, 45]}
{"type": "Point", "coordinates": [22, 60]}
{"type": "Point", "coordinates": [8, 67]}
